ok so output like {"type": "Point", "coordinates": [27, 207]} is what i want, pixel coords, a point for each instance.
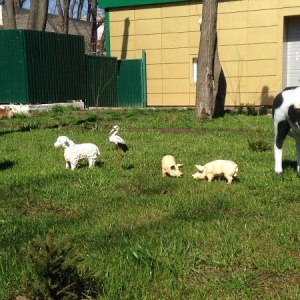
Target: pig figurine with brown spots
{"type": "Point", "coordinates": [170, 167]}
{"type": "Point", "coordinates": [217, 168]}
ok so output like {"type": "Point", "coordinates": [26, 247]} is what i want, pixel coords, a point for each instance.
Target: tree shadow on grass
{"type": "Point", "coordinates": [85, 164]}
{"type": "Point", "coordinates": [127, 166]}
{"type": "Point", "coordinates": [99, 164]}
{"type": "Point", "coordinates": [292, 164]}
{"type": "Point", "coordinates": [6, 132]}
{"type": "Point", "coordinates": [6, 164]}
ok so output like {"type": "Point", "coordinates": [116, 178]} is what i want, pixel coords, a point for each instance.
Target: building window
{"type": "Point", "coordinates": [195, 62]}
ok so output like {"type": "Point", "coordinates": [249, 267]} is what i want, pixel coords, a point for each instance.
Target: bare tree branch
{"type": "Point", "coordinates": [63, 13]}
{"type": "Point", "coordinates": [93, 10]}
{"type": "Point", "coordinates": [19, 3]}
{"type": "Point", "coordinates": [72, 7]}
{"type": "Point", "coordinates": [59, 8]}
{"type": "Point", "coordinates": [79, 10]}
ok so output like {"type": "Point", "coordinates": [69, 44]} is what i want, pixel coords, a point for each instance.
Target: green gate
{"type": "Point", "coordinates": [132, 82]}
{"type": "Point", "coordinates": [101, 81]}
{"type": "Point", "coordinates": [115, 83]}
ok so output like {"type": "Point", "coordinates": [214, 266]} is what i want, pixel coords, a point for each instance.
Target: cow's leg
{"type": "Point", "coordinates": [281, 128]}
{"type": "Point", "coordinates": [297, 138]}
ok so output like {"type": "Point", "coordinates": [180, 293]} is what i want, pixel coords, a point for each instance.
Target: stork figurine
{"type": "Point", "coordinates": [118, 141]}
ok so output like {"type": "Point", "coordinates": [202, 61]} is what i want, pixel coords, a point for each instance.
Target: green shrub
{"type": "Point", "coordinates": [259, 145]}
{"type": "Point", "coordinates": [28, 126]}
{"type": "Point", "coordinates": [56, 266]}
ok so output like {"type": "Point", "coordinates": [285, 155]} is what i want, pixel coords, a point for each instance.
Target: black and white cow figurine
{"type": "Point", "coordinates": [286, 116]}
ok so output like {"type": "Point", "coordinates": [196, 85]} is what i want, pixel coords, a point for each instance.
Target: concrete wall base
{"type": "Point", "coordinates": [28, 109]}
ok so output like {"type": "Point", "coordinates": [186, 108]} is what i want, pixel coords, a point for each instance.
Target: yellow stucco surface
{"type": "Point", "coordinates": [250, 43]}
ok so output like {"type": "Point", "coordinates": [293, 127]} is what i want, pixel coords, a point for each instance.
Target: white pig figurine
{"type": "Point", "coordinates": [217, 168]}
{"type": "Point", "coordinates": [169, 167]}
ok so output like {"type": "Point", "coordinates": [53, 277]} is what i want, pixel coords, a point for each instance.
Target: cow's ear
{"type": "Point", "coordinates": [179, 165]}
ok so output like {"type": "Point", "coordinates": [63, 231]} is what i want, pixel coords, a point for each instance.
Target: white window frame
{"type": "Point", "coordinates": [195, 65]}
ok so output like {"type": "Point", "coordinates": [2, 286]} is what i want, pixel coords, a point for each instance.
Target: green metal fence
{"type": "Point", "coordinates": [55, 71]}
{"type": "Point", "coordinates": [13, 78]}
{"type": "Point", "coordinates": [43, 67]}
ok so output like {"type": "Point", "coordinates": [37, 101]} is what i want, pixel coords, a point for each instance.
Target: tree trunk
{"type": "Point", "coordinates": [11, 15]}
{"type": "Point", "coordinates": [33, 11]}
{"type": "Point", "coordinates": [220, 86]}
{"type": "Point", "coordinates": [19, 3]}
{"type": "Point", "coordinates": [205, 103]}
{"type": "Point", "coordinates": [42, 15]}
{"type": "Point", "coordinates": [89, 11]}
{"type": "Point", "coordinates": [63, 14]}
{"type": "Point", "coordinates": [66, 16]}
{"type": "Point", "coordinates": [38, 15]}
{"type": "Point", "coordinates": [94, 25]}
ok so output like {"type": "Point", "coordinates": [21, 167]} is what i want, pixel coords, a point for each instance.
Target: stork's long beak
{"type": "Point", "coordinates": [111, 131]}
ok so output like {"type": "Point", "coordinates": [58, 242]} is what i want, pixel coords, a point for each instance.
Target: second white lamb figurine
{"type": "Point", "coordinates": [73, 153]}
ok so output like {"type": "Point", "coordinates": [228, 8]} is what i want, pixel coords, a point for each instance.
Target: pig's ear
{"type": "Point", "coordinates": [200, 168]}
{"type": "Point", "coordinates": [179, 165]}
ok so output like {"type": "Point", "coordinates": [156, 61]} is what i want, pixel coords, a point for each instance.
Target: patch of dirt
{"type": "Point", "coordinates": [184, 130]}
{"type": "Point", "coordinates": [161, 130]}
{"type": "Point", "coordinates": [35, 208]}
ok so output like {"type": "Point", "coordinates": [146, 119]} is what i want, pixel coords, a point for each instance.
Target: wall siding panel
{"type": "Point", "coordinates": [250, 44]}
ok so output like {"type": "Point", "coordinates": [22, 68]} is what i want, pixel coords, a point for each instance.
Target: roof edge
{"type": "Point", "coordinates": [120, 3]}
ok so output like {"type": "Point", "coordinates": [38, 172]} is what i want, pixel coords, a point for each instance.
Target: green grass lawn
{"type": "Point", "coordinates": [143, 236]}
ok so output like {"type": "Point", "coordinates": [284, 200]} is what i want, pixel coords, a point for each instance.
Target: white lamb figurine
{"type": "Point", "coordinates": [217, 168]}
{"type": "Point", "coordinates": [73, 153]}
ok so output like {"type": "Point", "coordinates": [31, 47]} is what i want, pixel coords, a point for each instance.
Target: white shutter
{"type": "Point", "coordinates": [1, 19]}
{"type": "Point", "coordinates": [292, 58]}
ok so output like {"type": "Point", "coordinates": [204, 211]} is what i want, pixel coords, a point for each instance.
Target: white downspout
{"type": "Point", "coordinates": [1, 19]}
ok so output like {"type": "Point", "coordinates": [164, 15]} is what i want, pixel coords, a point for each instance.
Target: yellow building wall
{"type": "Point", "coordinates": [250, 44]}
